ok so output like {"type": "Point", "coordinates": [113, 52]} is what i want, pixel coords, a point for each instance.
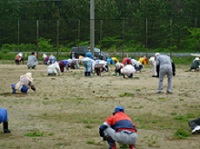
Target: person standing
{"type": "Point", "coordinates": [119, 128]}
{"type": "Point", "coordinates": [4, 119]}
{"type": "Point", "coordinates": [88, 63]}
{"type": "Point", "coordinates": [165, 68]}
{"type": "Point", "coordinates": [89, 54]}
{"type": "Point", "coordinates": [32, 61]}
{"type": "Point", "coordinates": [152, 62]}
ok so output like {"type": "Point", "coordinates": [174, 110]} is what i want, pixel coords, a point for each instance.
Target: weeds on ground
{"type": "Point", "coordinates": [126, 94]}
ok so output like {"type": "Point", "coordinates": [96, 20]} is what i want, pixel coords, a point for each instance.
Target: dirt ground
{"type": "Point", "coordinates": [66, 111]}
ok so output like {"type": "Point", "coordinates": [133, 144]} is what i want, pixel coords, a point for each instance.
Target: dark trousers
{"type": "Point", "coordinates": [194, 123]}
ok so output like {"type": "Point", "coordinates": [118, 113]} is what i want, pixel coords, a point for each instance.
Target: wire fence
{"type": "Point", "coordinates": [148, 33]}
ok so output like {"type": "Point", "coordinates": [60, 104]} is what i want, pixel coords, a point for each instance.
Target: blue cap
{"type": "Point", "coordinates": [119, 109]}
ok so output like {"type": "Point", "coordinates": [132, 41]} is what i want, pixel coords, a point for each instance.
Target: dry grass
{"type": "Point", "coordinates": [66, 111]}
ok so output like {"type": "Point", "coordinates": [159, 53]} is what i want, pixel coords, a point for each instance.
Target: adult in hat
{"type": "Point", "coordinates": [118, 67]}
{"type": "Point", "coordinates": [119, 128]}
{"type": "Point", "coordinates": [164, 63]}
{"type": "Point", "coordinates": [19, 58]}
{"type": "Point", "coordinates": [25, 82]}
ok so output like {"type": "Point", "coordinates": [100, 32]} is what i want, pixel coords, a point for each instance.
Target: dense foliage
{"type": "Point", "coordinates": [119, 24]}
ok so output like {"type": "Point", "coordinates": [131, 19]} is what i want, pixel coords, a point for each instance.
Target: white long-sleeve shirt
{"type": "Point", "coordinates": [54, 68]}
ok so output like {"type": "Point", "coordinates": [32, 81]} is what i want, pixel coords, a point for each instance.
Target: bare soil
{"type": "Point", "coordinates": [66, 111]}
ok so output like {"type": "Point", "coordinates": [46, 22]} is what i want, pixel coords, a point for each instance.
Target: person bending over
{"type": "Point", "coordinates": [119, 128]}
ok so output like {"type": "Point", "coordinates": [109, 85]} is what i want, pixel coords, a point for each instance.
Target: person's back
{"type": "Point", "coordinates": [119, 128]}
{"type": "Point", "coordinates": [32, 61]}
{"type": "Point", "coordinates": [164, 64]}
{"type": "Point", "coordinates": [53, 69]}
{"type": "Point", "coordinates": [163, 60]}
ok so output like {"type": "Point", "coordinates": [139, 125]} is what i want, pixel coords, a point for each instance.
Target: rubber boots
{"type": "Point", "coordinates": [13, 88]}
{"type": "Point", "coordinates": [89, 74]}
{"type": "Point", "coordinates": [5, 127]}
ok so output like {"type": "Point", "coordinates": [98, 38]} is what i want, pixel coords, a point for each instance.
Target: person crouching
{"type": "Point", "coordinates": [53, 69]}
{"type": "Point", "coordinates": [4, 119]}
{"type": "Point", "coordinates": [25, 82]}
{"type": "Point", "coordinates": [119, 128]}
{"type": "Point", "coordinates": [100, 66]}
{"type": "Point", "coordinates": [128, 70]}
{"type": "Point", "coordinates": [118, 67]}
{"type": "Point", "coordinates": [64, 64]}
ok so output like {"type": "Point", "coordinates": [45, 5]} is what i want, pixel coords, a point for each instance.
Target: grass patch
{"type": "Point", "coordinates": [181, 133]}
{"type": "Point", "coordinates": [126, 94]}
{"type": "Point", "coordinates": [35, 134]}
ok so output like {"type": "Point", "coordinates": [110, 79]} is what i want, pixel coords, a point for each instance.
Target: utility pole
{"type": "Point", "coordinates": [92, 26]}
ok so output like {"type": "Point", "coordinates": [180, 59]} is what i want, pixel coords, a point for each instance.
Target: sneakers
{"type": "Point", "coordinates": [196, 130]}
{"type": "Point", "coordinates": [169, 92]}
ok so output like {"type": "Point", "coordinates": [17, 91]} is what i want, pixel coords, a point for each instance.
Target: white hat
{"type": "Point", "coordinates": [20, 54]}
{"type": "Point", "coordinates": [157, 54]}
{"type": "Point", "coordinates": [196, 59]}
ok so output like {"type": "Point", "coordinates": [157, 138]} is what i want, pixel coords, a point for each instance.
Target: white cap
{"type": "Point", "coordinates": [197, 59]}
{"type": "Point", "coordinates": [20, 54]}
{"type": "Point", "coordinates": [157, 54]}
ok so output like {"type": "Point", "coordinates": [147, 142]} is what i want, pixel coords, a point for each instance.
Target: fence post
{"type": "Point", "coordinates": [92, 26]}
{"type": "Point", "coordinates": [57, 38]}
{"type": "Point", "coordinates": [146, 36]}
{"type": "Point", "coordinates": [170, 37]}
{"type": "Point", "coordinates": [18, 28]}
{"type": "Point", "coordinates": [123, 37]}
{"type": "Point", "coordinates": [79, 24]}
{"type": "Point", "coordinates": [37, 36]}
{"type": "Point", "coordinates": [101, 33]}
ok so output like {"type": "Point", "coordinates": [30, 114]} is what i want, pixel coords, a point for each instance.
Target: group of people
{"type": "Point", "coordinates": [129, 66]}
{"type": "Point", "coordinates": [31, 62]}
{"type": "Point", "coordinates": [118, 127]}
